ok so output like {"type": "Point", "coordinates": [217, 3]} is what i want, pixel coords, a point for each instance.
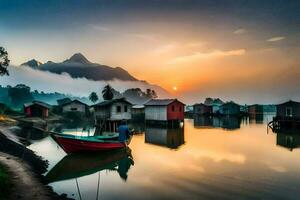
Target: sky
{"type": "Point", "coordinates": [242, 50]}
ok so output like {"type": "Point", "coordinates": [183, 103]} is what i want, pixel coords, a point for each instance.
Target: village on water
{"type": "Point", "coordinates": [81, 127]}
{"type": "Point", "coordinates": [149, 100]}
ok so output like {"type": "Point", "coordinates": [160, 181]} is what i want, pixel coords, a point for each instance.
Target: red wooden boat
{"type": "Point", "coordinates": [74, 144]}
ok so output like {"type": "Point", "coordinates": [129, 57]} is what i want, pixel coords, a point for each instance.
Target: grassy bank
{"type": "Point", "coordinates": [5, 183]}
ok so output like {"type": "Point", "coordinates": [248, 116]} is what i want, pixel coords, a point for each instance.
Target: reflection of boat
{"type": "Point", "coordinates": [78, 165]}
{"type": "Point", "coordinates": [169, 137]}
{"type": "Point", "coordinates": [73, 143]}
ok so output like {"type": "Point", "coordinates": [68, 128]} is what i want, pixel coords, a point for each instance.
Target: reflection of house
{"type": "Point", "coordinates": [229, 108]}
{"type": "Point", "coordinates": [230, 123]}
{"type": "Point", "coordinates": [168, 137]}
{"type": "Point", "coordinates": [74, 106]}
{"type": "Point", "coordinates": [202, 109]}
{"type": "Point", "coordinates": [256, 118]}
{"type": "Point", "coordinates": [255, 109]}
{"type": "Point", "coordinates": [164, 110]}
{"type": "Point", "coordinates": [226, 122]}
{"type": "Point", "coordinates": [289, 141]}
{"type": "Point", "coordinates": [116, 109]}
{"type": "Point", "coordinates": [36, 109]}
{"type": "Point", "coordinates": [203, 121]}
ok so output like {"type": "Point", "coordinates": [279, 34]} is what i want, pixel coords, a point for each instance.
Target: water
{"type": "Point", "coordinates": [208, 158]}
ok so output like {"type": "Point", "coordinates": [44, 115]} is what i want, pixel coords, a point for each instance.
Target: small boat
{"type": "Point", "coordinates": [75, 144]}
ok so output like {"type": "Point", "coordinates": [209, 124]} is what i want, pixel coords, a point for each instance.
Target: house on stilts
{"type": "Point", "coordinates": [109, 114]}
{"type": "Point", "coordinates": [287, 117]}
{"type": "Point", "coordinates": [164, 112]}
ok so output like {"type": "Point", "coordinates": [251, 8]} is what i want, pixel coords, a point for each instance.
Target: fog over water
{"type": "Point", "coordinates": [64, 83]}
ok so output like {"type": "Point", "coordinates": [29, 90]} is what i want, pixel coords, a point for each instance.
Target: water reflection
{"type": "Point", "coordinates": [256, 118]}
{"type": "Point", "coordinates": [289, 141]}
{"type": "Point", "coordinates": [213, 163]}
{"type": "Point", "coordinates": [69, 167]}
{"type": "Point", "coordinates": [164, 136]}
{"type": "Point", "coordinates": [226, 122]}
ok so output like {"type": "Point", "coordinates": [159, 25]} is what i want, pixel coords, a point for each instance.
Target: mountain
{"type": "Point", "coordinates": [32, 63]}
{"type": "Point", "coordinates": [78, 66]}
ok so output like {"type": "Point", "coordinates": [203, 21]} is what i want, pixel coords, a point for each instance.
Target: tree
{"type": "Point", "coordinates": [4, 62]}
{"type": "Point", "coordinates": [19, 95]}
{"type": "Point", "coordinates": [93, 97]}
{"type": "Point", "coordinates": [151, 94]}
{"type": "Point", "coordinates": [107, 92]}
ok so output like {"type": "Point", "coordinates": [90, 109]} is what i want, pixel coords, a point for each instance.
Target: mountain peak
{"type": "Point", "coordinates": [78, 58]}
{"type": "Point", "coordinates": [32, 63]}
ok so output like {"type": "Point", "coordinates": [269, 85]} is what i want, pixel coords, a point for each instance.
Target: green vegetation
{"type": "Point", "coordinates": [5, 184]}
{"type": "Point", "coordinates": [4, 62]}
{"type": "Point", "coordinates": [107, 92]}
{"type": "Point", "coordinates": [93, 97]}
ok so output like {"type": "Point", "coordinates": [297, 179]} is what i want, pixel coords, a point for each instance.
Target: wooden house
{"type": "Point", "coordinates": [74, 106]}
{"type": "Point", "coordinates": [36, 109]}
{"type": "Point", "coordinates": [116, 109]}
{"type": "Point", "coordinates": [289, 109]}
{"type": "Point", "coordinates": [287, 117]}
{"type": "Point", "coordinates": [109, 114]}
{"type": "Point", "coordinates": [255, 109]}
{"type": "Point", "coordinates": [138, 112]}
{"type": "Point", "coordinates": [164, 110]}
{"type": "Point", "coordinates": [229, 108]}
{"type": "Point", "coordinates": [202, 109]}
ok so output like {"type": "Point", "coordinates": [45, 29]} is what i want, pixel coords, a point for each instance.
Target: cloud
{"type": "Point", "coordinates": [149, 37]}
{"type": "Point", "coordinates": [275, 39]}
{"type": "Point", "coordinates": [64, 83]}
{"type": "Point", "coordinates": [196, 44]}
{"type": "Point", "coordinates": [99, 27]}
{"type": "Point", "coordinates": [240, 31]}
{"type": "Point", "coordinates": [164, 48]}
{"type": "Point", "coordinates": [214, 54]}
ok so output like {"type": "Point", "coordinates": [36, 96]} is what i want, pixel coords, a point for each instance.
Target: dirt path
{"type": "Point", "coordinates": [26, 185]}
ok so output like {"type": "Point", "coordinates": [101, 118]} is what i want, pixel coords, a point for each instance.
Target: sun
{"type": "Point", "coordinates": [174, 88]}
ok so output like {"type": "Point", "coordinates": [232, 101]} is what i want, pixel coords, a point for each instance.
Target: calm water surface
{"type": "Point", "coordinates": [206, 159]}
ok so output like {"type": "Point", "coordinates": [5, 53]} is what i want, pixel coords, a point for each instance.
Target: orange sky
{"type": "Point", "coordinates": [220, 51]}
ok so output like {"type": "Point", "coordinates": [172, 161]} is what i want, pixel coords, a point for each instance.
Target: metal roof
{"type": "Point", "coordinates": [138, 106]}
{"type": "Point", "coordinates": [37, 103]}
{"type": "Point", "coordinates": [67, 103]}
{"type": "Point", "coordinates": [109, 102]}
{"type": "Point", "coordinates": [160, 102]}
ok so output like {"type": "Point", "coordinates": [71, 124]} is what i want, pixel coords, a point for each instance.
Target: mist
{"type": "Point", "coordinates": [64, 83]}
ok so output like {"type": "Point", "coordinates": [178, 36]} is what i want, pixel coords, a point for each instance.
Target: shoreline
{"type": "Point", "coordinates": [25, 169]}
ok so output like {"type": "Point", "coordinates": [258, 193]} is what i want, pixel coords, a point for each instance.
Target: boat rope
{"type": "Point", "coordinates": [97, 197]}
{"type": "Point", "coordinates": [78, 189]}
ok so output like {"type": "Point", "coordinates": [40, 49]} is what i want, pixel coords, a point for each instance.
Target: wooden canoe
{"type": "Point", "coordinates": [75, 144]}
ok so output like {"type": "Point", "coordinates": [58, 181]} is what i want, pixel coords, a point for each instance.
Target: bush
{"type": "Point", "coordinates": [5, 184]}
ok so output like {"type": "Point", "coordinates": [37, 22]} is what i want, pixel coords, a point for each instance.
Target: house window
{"type": "Point", "coordinates": [180, 108]}
{"type": "Point", "coordinates": [118, 109]}
{"type": "Point", "coordinates": [73, 109]}
{"type": "Point", "coordinates": [125, 108]}
{"type": "Point", "coordinates": [173, 108]}
{"type": "Point", "coordinates": [289, 112]}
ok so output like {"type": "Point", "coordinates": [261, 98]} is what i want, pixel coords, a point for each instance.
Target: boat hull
{"type": "Point", "coordinates": [73, 145]}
